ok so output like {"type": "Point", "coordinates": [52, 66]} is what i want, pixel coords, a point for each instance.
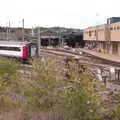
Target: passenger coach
{"type": "Point", "coordinates": [20, 50]}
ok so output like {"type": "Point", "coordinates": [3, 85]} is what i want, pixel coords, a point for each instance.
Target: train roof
{"type": "Point", "coordinates": [14, 43]}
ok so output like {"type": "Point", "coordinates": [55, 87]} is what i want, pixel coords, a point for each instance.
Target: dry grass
{"type": "Point", "coordinates": [20, 114]}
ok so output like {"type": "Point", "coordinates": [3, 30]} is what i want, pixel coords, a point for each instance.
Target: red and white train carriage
{"type": "Point", "coordinates": [20, 50]}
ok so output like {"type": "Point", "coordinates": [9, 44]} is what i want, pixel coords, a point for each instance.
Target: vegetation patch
{"type": "Point", "coordinates": [53, 90]}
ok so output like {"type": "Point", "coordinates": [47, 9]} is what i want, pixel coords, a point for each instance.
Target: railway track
{"type": "Point", "coordinates": [63, 52]}
{"type": "Point", "coordinates": [78, 54]}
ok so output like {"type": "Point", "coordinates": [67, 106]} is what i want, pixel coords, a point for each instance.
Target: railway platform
{"type": "Point", "coordinates": [103, 56]}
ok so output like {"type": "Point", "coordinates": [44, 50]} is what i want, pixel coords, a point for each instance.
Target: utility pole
{"type": "Point", "coordinates": [9, 27]}
{"type": "Point", "coordinates": [7, 32]}
{"type": "Point", "coordinates": [38, 43]}
{"type": "Point", "coordinates": [32, 31]}
{"type": "Point", "coordinates": [59, 38]}
{"type": "Point", "coordinates": [23, 30]}
{"type": "Point", "coordinates": [62, 41]}
{"type": "Point", "coordinates": [59, 41]}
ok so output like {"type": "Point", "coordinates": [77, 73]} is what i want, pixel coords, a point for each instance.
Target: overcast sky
{"type": "Point", "coordinates": [64, 13]}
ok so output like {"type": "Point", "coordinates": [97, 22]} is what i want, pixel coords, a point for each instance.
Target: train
{"type": "Point", "coordinates": [20, 50]}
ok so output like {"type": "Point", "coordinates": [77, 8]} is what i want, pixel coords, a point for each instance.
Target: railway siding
{"type": "Point", "coordinates": [107, 57]}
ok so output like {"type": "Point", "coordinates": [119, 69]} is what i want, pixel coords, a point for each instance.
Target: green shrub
{"type": "Point", "coordinates": [70, 93]}
{"type": "Point", "coordinates": [9, 82]}
{"type": "Point", "coordinates": [81, 96]}
{"type": "Point", "coordinates": [44, 86]}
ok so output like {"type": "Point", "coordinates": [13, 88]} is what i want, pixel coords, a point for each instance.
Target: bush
{"type": "Point", "coordinates": [45, 83]}
{"type": "Point", "coordinates": [65, 92]}
{"type": "Point", "coordinates": [9, 82]}
{"type": "Point", "coordinates": [81, 96]}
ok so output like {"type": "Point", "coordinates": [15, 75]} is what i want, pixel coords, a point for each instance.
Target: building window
{"type": "Point", "coordinates": [118, 27]}
{"type": "Point", "coordinates": [111, 28]}
{"type": "Point", "coordinates": [90, 33]}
